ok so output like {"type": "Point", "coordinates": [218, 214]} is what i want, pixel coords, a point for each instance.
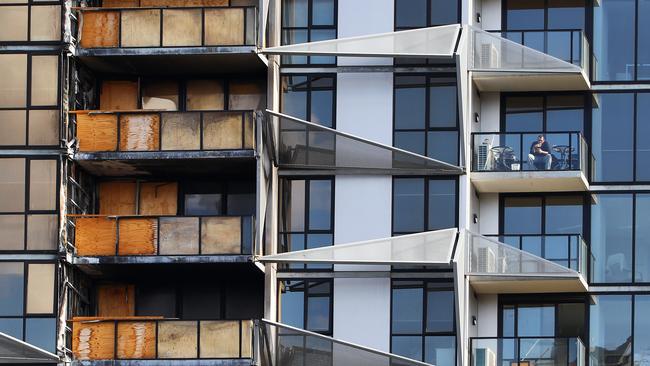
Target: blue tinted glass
{"type": "Point", "coordinates": [508, 321]}
{"type": "Point", "coordinates": [412, 141]}
{"type": "Point", "coordinates": [294, 96]}
{"type": "Point", "coordinates": [535, 321]}
{"type": "Point", "coordinates": [407, 346]}
{"type": "Point", "coordinates": [295, 13]}
{"type": "Point", "coordinates": [322, 107]}
{"type": "Point", "coordinates": [443, 146]}
{"type": "Point", "coordinates": [522, 215]}
{"type": "Point", "coordinates": [525, 122]}
{"type": "Point", "coordinates": [11, 288]}
{"type": "Point", "coordinates": [440, 350]}
{"type": "Point", "coordinates": [611, 238]}
{"type": "Point", "coordinates": [41, 333]}
{"type": "Point", "coordinates": [643, 136]}
{"type": "Point", "coordinates": [322, 35]}
{"type": "Point", "coordinates": [410, 103]}
{"type": "Point", "coordinates": [12, 327]}
{"type": "Point", "coordinates": [566, 14]}
{"type": "Point", "coordinates": [564, 215]}
{"type": "Point", "coordinates": [643, 33]}
{"type": "Point", "coordinates": [318, 314]}
{"type": "Point", "coordinates": [408, 205]}
{"type": "Point", "coordinates": [410, 13]}
{"type": "Point", "coordinates": [292, 304]}
{"type": "Point", "coordinates": [407, 309]}
{"type": "Point", "coordinates": [525, 14]}
{"type": "Point", "coordinates": [641, 329]}
{"type": "Point", "coordinates": [444, 12]}
{"type": "Point", "coordinates": [613, 40]}
{"type": "Point", "coordinates": [442, 104]}
{"type": "Point", "coordinates": [442, 204]}
{"type": "Point", "coordinates": [320, 204]}
{"type": "Point", "coordinates": [293, 36]}
{"type": "Point", "coordinates": [322, 12]}
{"type": "Point", "coordinates": [642, 236]}
{"type": "Point", "coordinates": [564, 120]}
{"type": "Point", "coordinates": [613, 137]}
{"type": "Point", "coordinates": [610, 337]}
{"type": "Point", "coordinates": [535, 40]}
{"type": "Point", "coordinates": [318, 241]}
{"type": "Point", "coordinates": [558, 44]}
{"type": "Point", "coordinates": [440, 311]}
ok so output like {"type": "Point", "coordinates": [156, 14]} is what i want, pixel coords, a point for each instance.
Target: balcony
{"type": "Point", "coordinates": [526, 263]}
{"type": "Point", "coordinates": [134, 340]}
{"type": "Point", "coordinates": [527, 351]}
{"type": "Point", "coordinates": [502, 162]}
{"type": "Point", "coordinates": [224, 34]}
{"type": "Point", "coordinates": [162, 239]}
{"type": "Point", "coordinates": [139, 140]}
{"type": "Point", "coordinates": [500, 64]}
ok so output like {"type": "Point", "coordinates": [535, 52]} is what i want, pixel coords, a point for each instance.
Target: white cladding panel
{"type": "Point", "coordinates": [488, 307]}
{"type": "Point", "coordinates": [362, 17]}
{"type": "Point", "coordinates": [491, 15]}
{"type": "Point", "coordinates": [488, 217]}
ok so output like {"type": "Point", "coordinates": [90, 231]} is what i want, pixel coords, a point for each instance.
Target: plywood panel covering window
{"type": "Point", "coordinates": [118, 95]}
{"type": "Point", "coordinates": [115, 300]}
{"type": "Point", "coordinates": [177, 339]}
{"type": "Point", "coordinates": [139, 132]}
{"type": "Point", "coordinates": [181, 131]}
{"type": "Point", "coordinates": [222, 131]}
{"type": "Point", "coordinates": [205, 95]}
{"type": "Point", "coordinates": [42, 185]}
{"type": "Point", "coordinates": [45, 76]}
{"type": "Point", "coordinates": [40, 288]}
{"type": "Point", "coordinates": [97, 132]}
{"type": "Point", "coordinates": [224, 27]}
{"type": "Point", "coordinates": [246, 95]}
{"type": "Point", "coordinates": [43, 127]}
{"type": "Point", "coordinates": [13, 89]}
{"type": "Point", "coordinates": [140, 28]}
{"type": "Point", "coordinates": [99, 29]}
{"type": "Point", "coordinates": [137, 236]}
{"type": "Point", "coordinates": [179, 235]}
{"type": "Point", "coordinates": [95, 236]}
{"type": "Point", "coordinates": [181, 27]}
{"type": "Point", "coordinates": [45, 23]}
{"type": "Point", "coordinates": [13, 23]}
{"type": "Point", "coordinates": [164, 3]}
{"type": "Point", "coordinates": [221, 235]}
{"type": "Point", "coordinates": [220, 339]}
{"type": "Point", "coordinates": [158, 198]}
{"type": "Point", "coordinates": [117, 198]}
{"type": "Point", "coordinates": [136, 340]}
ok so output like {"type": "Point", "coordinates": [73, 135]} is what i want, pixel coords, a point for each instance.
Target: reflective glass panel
{"type": "Point", "coordinates": [611, 238]}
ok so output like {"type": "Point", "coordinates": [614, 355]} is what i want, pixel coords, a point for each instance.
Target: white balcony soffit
{"type": "Point", "coordinates": [433, 42]}
{"type": "Point", "coordinates": [283, 345]}
{"type": "Point", "coordinates": [427, 248]}
{"type": "Point", "coordinates": [309, 146]}
{"type": "Point", "coordinates": [14, 351]}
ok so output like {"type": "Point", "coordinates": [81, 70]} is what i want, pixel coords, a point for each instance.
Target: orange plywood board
{"type": "Point", "coordinates": [95, 236]}
{"type": "Point", "coordinates": [96, 132]}
{"type": "Point", "coordinates": [115, 300]}
{"type": "Point", "coordinates": [117, 198]}
{"type": "Point", "coordinates": [138, 236]}
{"type": "Point", "coordinates": [93, 341]}
{"type": "Point", "coordinates": [140, 132]}
{"type": "Point", "coordinates": [99, 29]}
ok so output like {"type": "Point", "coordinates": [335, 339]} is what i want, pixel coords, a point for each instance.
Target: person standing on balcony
{"type": "Point", "coordinates": [540, 156]}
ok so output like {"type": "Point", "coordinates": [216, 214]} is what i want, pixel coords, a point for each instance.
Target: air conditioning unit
{"type": "Point", "coordinates": [483, 154]}
{"type": "Point", "coordinates": [485, 357]}
{"type": "Point", "coordinates": [489, 56]}
{"type": "Point", "coordinates": [487, 260]}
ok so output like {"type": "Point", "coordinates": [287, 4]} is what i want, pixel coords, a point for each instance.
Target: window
{"type": "Point", "coordinates": [423, 321]}
{"type": "Point", "coordinates": [620, 145]}
{"type": "Point", "coordinates": [27, 302]}
{"type": "Point", "coordinates": [306, 304]}
{"type": "Point", "coordinates": [411, 14]}
{"type": "Point", "coordinates": [308, 21]}
{"type": "Point", "coordinates": [621, 51]}
{"type": "Point", "coordinates": [620, 238]}
{"type": "Point", "coordinates": [610, 337]}
{"type": "Point", "coordinates": [426, 116]}
{"type": "Point", "coordinates": [28, 204]}
{"type": "Point", "coordinates": [29, 115]}
{"type": "Point", "coordinates": [229, 197]}
{"type": "Point", "coordinates": [306, 216]}
{"type": "Point", "coordinates": [543, 113]}
{"type": "Point", "coordinates": [544, 15]}
{"type": "Point", "coordinates": [30, 23]}
{"type": "Point", "coordinates": [310, 97]}
{"type": "Point", "coordinates": [417, 201]}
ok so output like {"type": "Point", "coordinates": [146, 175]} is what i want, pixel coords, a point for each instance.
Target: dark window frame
{"type": "Point", "coordinates": [29, 4]}
{"type": "Point", "coordinates": [504, 17]}
{"type": "Point", "coordinates": [310, 26]}
{"type": "Point", "coordinates": [309, 89]}
{"type": "Point", "coordinates": [430, 81]}
{"type": "Point", "coordinates": [429, 23]}
{"type": "Point", "coordinates": [424, 334]}
{"type": "Point", "coordinates": [306, 296]}
{"type": "Point", "coordinates": [544, 95]}
{"type": "Point", "coordinates": [543, 197]}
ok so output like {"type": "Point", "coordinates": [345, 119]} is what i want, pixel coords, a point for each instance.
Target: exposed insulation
{"type": "Point", "coordinates": [222, 130]}
{"type": "Point", "coordinates": [221, 235]}
{"type": "Point", "coordinates": [179, 235]}
{"type": "Point", "coordinates": [158, 198]}
{"type": "Point", "coordinates": [224, 27]}
{"type": "Point", "coordinates": [93, 340]}
{"type": "Point", "coordinates": [115, 300]}
{"type": "Point", "coordinates": [117, 198]}
{"type": "Point", "coordinates": [181, 131]}
{"type": "Point", "coordinates": [181, 27]}
{"type": "Point", "coordinates": [118, 95]}
{"type": "Point", "coordinates": [137, 236]}
{"type": "Point", "coordinates": [97, 132]}
{"type": "Point", "coordinates": [177, 339]}
{"type": "Point", "coordinates": [140, 28]}
{"type": "Point", "coordinates": [136, 340]}
{"type": "Point", "coordinates": [99, 29]}
{"type": "Point", "coordinates": [95, 236]}
{"type": "Point", "coordinates": [139, 132]}
{"type": "Point", "coordinates": [219, 339]}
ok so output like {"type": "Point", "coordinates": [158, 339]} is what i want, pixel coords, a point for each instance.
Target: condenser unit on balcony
{"type": "Point", "coordinates": [487, 261]}
{"type": "Point", "coordinates": [482, 156]}
{"type": "Point", "coordinates": [485, 357]}
{"type": "Point", "coordinates": [489, 56]}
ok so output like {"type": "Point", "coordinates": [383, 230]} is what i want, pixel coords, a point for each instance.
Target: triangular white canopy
{"type": "Point", "coordinates": [283, 345]}
{"type": "Point", "coordinates": [306, 145]}
{"type": "Point", "coordinates": [430, 42]}
{"type": "Point", "coordinates": [427, 248]}
{"type": "Point", "coordinates": [15, 351]}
